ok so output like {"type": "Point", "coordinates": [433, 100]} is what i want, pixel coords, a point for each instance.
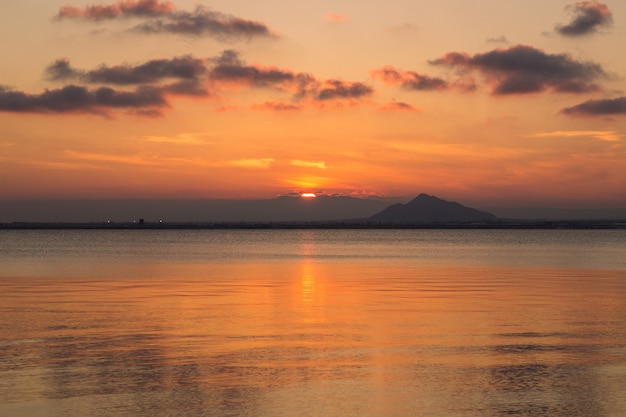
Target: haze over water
{"type": "Point", "coordinates": [313, 323]}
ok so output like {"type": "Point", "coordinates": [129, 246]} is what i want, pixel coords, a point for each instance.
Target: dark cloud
{"type": "Point", "coordinates": [189, 71]}
{"type": "Point", "coordinates": [184, 68]}
{"type": "Point", "coordinates": [186, 88]}
{"type": "Point", "coordinates": [77, 99]}
{"type": "Point", "coordinates": [603, 107]}
{"type": "Point", "coordinates": [206, 22]}
{"type": "Point", "coordinates": [397, 106]}
{"type": "Point", "coordinates": [409, 80]}
{"type": "Point", "coordinates": [337, 89]}
{"type": "Point", "coordinates": [523, 69]}
{"type": "Point", "coordinates": [188, 76]}
{"type": "Point", "coordinates": [230, 69]}
{"type": "Point", "coordinates": [277, 106]}
{"type": "Point", "coordinates": [227, 57]}
{"type": "Point", "coordinates": [125, 8]}
{"type": "Point", "coordinates": [61, 70]}
{"type": "Point", "coordinates": [164, 18]}
{"type": "Point", "coordinates": [587, 18]}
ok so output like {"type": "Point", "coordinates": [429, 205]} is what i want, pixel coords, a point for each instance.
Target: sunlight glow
{"type": "Point", "coordinates": [308, 195]}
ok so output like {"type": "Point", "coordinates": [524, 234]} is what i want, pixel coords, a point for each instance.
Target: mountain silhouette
{"type": "Point", "coordinates": [429, 209]}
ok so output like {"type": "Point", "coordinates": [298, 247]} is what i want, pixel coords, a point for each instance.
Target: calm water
{"type": "Point", "coordinates": [313, 323]}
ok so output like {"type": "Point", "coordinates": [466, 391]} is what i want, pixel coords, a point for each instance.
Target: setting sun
{"type": "Point", "coordinates": [308, 195]}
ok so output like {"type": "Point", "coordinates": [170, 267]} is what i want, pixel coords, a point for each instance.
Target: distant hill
{"type": "Point", "coordinates": [429, 209]}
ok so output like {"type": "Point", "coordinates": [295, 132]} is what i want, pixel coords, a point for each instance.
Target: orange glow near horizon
{"type": "Point", "coordinates": [308, 195]}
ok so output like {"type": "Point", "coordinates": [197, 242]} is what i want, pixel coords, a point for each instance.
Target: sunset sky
{"type": "Point", "coordinates": [484, 102]}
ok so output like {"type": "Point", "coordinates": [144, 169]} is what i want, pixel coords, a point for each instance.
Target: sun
{"type": "Point", "coordinates": [308, 195]}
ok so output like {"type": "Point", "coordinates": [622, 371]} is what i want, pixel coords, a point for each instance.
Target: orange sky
{"type": "Point", "coordinates": [485, 102]}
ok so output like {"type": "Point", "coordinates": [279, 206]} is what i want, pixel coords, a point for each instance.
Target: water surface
{"type": "Point", "coordinates": [313, 323]}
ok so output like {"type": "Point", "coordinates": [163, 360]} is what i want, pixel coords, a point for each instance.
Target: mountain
{"type": "Point", "coordinates": [429, 209]}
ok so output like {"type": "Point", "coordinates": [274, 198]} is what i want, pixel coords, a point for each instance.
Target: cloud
{"type": "Point", "coordinates": [77, 99]}
{"type": "Point", "coordinates": [587, 17]}
{"type": "Point", "coordinates": [124, 8]}
{"type": "Point", "coordinates": [253, 163]}
{"type": "Point", "coordinates": [499, 39]}
{"type": "Point", "coordinates": [188, 70]}
{"type": "Point", "coordinates": [602, 107]}
{"type": "Point", "coordinates": [139, 159]}
{"type": "Point", "coordinates": [156, 79]}
{"type": "Point", "coordinates": [337, 89]}
{"type": "Point", "coordinates": [309, 164]}
{"type": "Point", "coordinates": [605, 135]}
{"type": "Point", "coordinates": [206, 22]}
{"type": "Point", "coordinates": [162, 17]}
{"type": "Point", "coordinates": [397, 106]}
{"type": "Point", "coordinates": [181, 138]}
{"type": "Point", "coordinates": [408, 80]}
{"type": "Point", "coordinates": [229, 69]}
{"type": "Point", "coordinates": [277, 106]}
{"type": "Point", "coordinates": [184, 68]}
{"type": "Point", "coordinates": [523, 69]}
{"type": "Point", "coordinates": [336, 18]}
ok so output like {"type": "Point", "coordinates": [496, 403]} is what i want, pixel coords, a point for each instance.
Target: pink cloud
{"type": "Point", "coordinates": [409, 80]}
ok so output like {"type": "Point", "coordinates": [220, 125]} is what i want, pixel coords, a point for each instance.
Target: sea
{"type": "Point", "coordinates": [272, 323]}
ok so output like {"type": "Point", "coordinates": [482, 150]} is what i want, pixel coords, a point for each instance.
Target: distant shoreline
{"type": "Point", "coordinates": [502, 224]}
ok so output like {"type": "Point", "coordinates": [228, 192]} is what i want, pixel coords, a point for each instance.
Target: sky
{"type": "Point", "coordinates": [489, 103]}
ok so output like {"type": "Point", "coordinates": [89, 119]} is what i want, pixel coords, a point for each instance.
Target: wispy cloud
{"type": "Point", "coordinates": [498, 39]}
{"type": "Point", "coordinates": [180, 139]}
{"type": "Point", "coordinates": [524, 69]}
{"type": "Point", "coordinates": [110, 158]}
{"type": "Point", "coordinates": [309, 164]}
{"type": "Point", "coordinates": [163, 17]}
{"type": "Point", "coordinates": [276, 106]}
{"type": "Point", "coordinates": [605, 135]}
{"type": "Point", "coordinates": [139, 159]}
{"type": "Point", "coordinates": [397, 106]}
{"type": "Point", "coordinates": [260, 163]}
{"type": "Point", "coordinates": [601, 107]}
{"type": "Point", "coordinates": [587, 18]}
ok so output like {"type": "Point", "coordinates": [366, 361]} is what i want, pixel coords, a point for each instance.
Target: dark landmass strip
{"type": "Point", "coordinates": [499, 224]}
{"type": "Point", "coordinates": [423, 212]}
